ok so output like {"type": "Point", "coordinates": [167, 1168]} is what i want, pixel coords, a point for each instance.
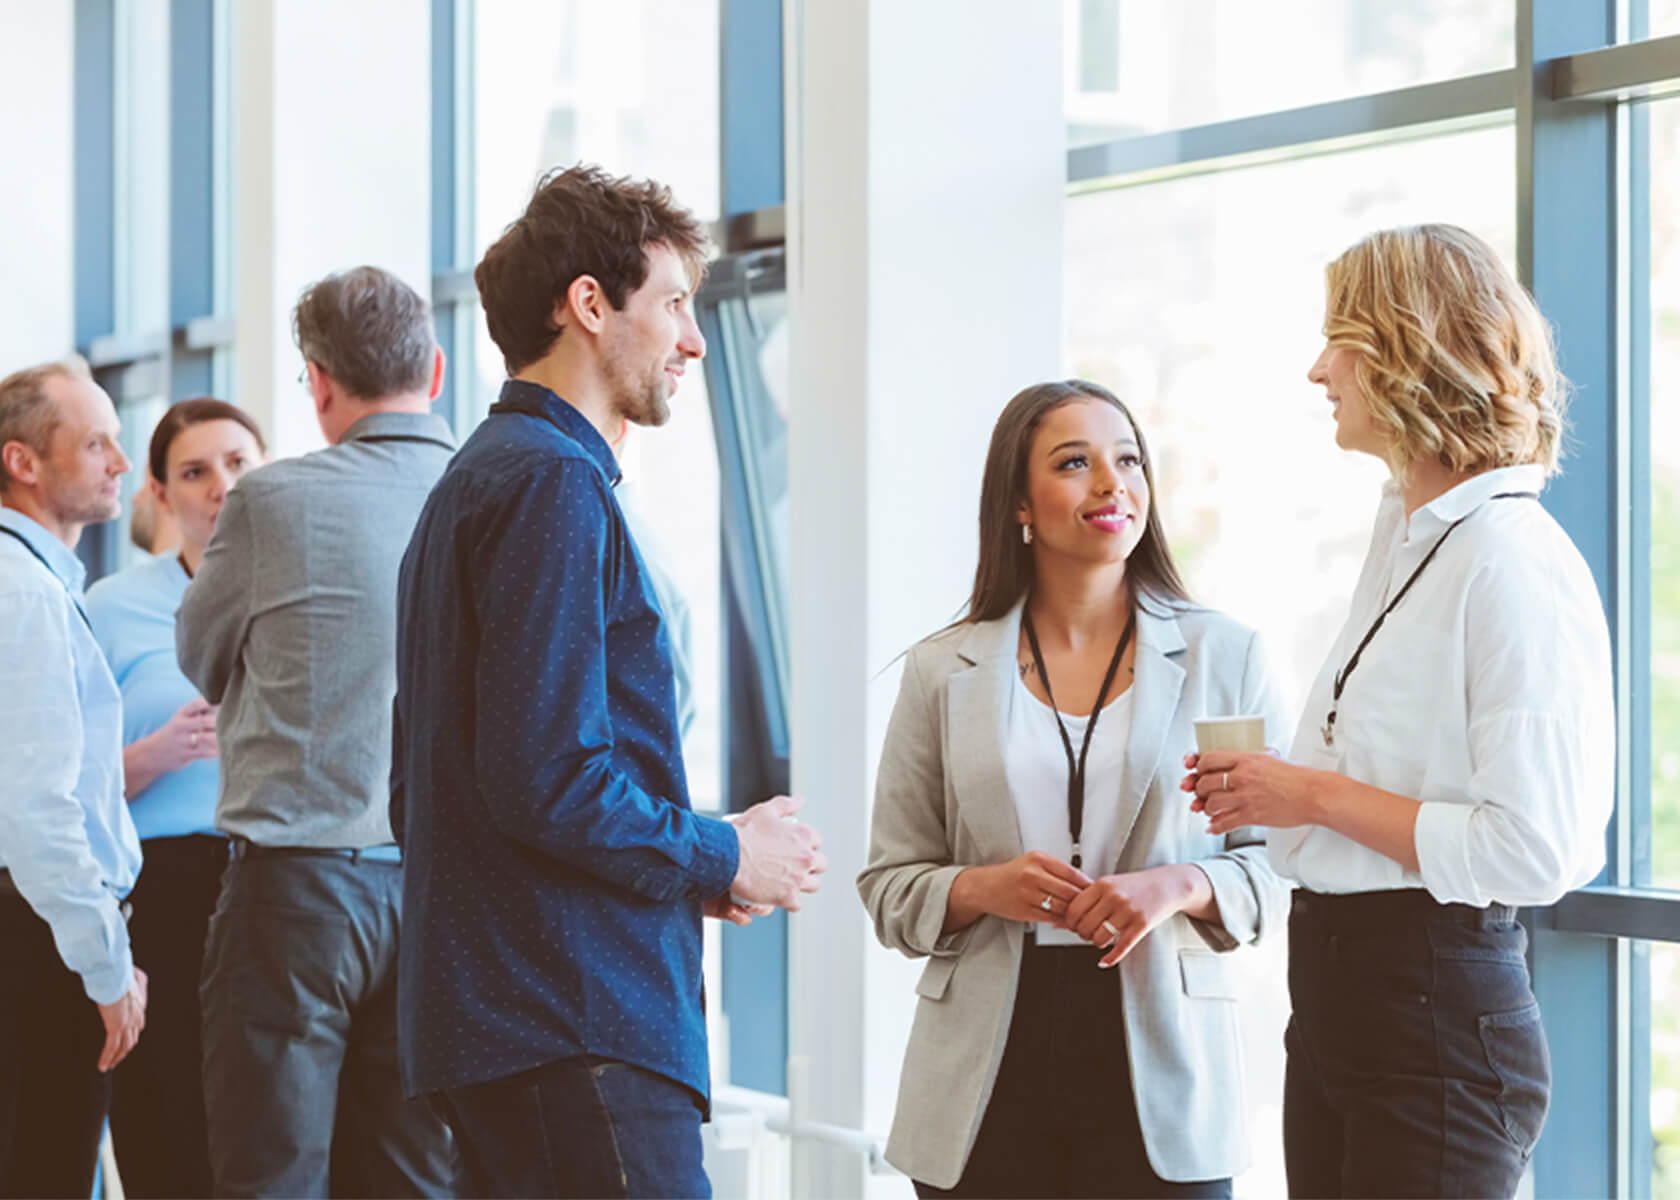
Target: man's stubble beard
{"type": "Point", "coordinates": [639, 402]}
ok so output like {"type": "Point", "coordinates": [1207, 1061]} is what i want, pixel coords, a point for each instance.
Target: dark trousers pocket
{"type": "Point", "coordinates": [1515, 1044]}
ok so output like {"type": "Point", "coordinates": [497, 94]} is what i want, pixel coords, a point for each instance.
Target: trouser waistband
{"type": "Point", "coordinates": [1401, 905]}
{"type": "Point", "coordinates": [239, 847]}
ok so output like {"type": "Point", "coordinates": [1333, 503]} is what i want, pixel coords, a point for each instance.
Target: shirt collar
{"type": "Point", "coordinates": [538, 401]}
{"type": "Point", "coordinates": [60, 559]}
{"type": "Point", "coordinates": [1459, 502]}
{"type": "Point", "coordinates": [429, 426]}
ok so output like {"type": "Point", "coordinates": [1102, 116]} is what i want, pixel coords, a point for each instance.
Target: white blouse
{"type": "Point", "coordinates": [1036, 769]}
{"type": "Point", "coordinates": [1486, 696]}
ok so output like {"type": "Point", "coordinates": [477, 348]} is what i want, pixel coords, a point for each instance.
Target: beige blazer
{"type": "Point", "coordinates": [942, 804]}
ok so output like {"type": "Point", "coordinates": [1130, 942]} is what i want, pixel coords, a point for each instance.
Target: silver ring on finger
{"type": "Point", "coordinates": [1227, 781]}
{"type": "Point", "coordinates": [1109, 925]}
{"type": "Point", "coordinates": [193, 741]}
{"type": "Point", "coordinates": [1046, 902]}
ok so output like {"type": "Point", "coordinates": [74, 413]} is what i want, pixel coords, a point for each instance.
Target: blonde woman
{"type": "Point", "coordinates": [1456, 758]}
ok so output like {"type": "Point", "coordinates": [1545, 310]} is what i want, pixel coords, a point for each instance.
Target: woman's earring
{"type": "Point", "coordinates": [1026, 535]}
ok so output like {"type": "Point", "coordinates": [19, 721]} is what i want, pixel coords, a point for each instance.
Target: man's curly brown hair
{"type": "Point", "coordinates": [581, 221]}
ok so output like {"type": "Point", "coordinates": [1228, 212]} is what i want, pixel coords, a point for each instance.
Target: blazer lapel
{"type": "Point", "coordinates": [978, 712]}
{"type": "Point", "coordinates": [1155, 693]}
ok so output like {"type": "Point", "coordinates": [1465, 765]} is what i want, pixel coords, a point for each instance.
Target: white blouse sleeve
{"type": "Point", "coordinates": [1541, 741]}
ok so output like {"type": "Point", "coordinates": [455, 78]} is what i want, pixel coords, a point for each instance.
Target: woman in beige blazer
{"type": "Point", "coordinates": [1022, 844]}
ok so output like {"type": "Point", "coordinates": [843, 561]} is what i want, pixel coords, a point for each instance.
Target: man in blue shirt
{"type": "Point", "coordinates": [72, 1003]}
{"type": "Point", "coordinates": [550, 977]}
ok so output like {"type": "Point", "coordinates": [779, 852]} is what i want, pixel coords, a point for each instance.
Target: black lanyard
{"type": "Point", "coordinates": [40, 558]}
{"type": "Point", "coordinates": [1076, 768]}
{"type": "Point", "coordinates": [1342, 676]}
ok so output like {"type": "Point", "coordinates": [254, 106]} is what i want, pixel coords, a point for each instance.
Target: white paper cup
{"type": "Point", "coordinates": [1237, 734]}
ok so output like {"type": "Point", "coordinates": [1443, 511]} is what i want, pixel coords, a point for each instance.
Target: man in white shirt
{"type": "Point", "coordinates": [72, 1003]}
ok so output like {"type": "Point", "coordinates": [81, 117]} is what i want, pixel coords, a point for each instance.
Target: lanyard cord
{"type": "Point", "coordinates": [1347, 670]}
{"type": "Point", "coordinates": [1076, 769]}
{"type": "Point", "coordinates": [40, 558]}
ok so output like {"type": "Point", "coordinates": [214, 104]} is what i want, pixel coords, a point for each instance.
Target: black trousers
{"type": "Point", "coordinates": [1062, 1120]}
{"type": "Point", "coordinates": [53, 1099]}
{"type": "Point", "coordinates": [1417, 1065]}
{"type": "Point", "coordinates": [157, 1110]}
{"type": "Point", "coordinates": [301, 1086]}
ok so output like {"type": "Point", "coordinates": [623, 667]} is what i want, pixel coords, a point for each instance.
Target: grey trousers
{"type": "Point", "coordinates": [299, 995]}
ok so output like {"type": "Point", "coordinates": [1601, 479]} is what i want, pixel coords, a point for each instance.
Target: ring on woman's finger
{"type": "Point", "coordinates": [1046, 902]}
{"type": "Point", "coordinates": [1109, 925]}
{"type": "Point", "coordinates": [1227, 781]}
{"type": "Point", "coordinates": [193, 741]}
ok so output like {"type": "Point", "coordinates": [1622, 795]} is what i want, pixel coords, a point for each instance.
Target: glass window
{"type": "Point", "coordinates": [1200, 302]}
{"type": "Point", "coordinates": [1139, 66]}
{"type": "Point", "coordinates": [1663, 960]}
{"type": "Point", "coordinates": [1663, 446]}
{"type": "Point", "coordinates": [631, 85]}
{"type": "Point", "coordinates": [1662, 19]}
{"type": "Point", "coordinates": [671, 481]}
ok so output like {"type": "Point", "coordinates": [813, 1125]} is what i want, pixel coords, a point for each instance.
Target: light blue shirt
{"type": "Point", "coordinates": [133, 615]}
{"type": "Point", "coordinates": [65, 833]}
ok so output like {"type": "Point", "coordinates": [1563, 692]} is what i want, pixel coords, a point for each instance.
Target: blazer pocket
{"type": "Point", "coordinates": [1207, 975]}
{"type": "Point", "coordinates": [936, 977]}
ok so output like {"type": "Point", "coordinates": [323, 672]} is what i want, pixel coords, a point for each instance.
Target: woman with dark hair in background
{"type": "Point", "coordinates": [198, 451]}
{"type": "Point", "coordinates": [1026, 812]}
{"type": "Point", "coordinates": [1456, 759]}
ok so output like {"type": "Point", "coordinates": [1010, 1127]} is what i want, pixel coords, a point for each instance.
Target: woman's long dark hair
{"type": "Point", "coordinates": [1005, 570]}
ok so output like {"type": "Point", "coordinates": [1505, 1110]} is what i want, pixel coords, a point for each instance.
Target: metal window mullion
{"type": "Point", "coordinates": [1641, 70]}
{"type": "Point", "coordinates": [1470, 102]}
{"type": "Point", "coordinates": [224, 280]}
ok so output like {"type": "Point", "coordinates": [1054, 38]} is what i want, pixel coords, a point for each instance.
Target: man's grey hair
{"type": "Point", "coordinates": [27, 413]}
{"type": "Point", "coordinates": [369, 331]}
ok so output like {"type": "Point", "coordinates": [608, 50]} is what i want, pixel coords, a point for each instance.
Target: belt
{"type": "Point", "coordinates": [8, 888]}
{"type": "Point", "coordinates": [239, 847]}
{"type": "Point", "coordinates": [1401, 905]}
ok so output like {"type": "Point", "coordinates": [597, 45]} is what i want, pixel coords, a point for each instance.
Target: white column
{"type": "Point", "coordinates": [333, 144]}
{"type": "Point", "coordinates": [37, 144]}
{"type": "Point", "coordinates": [926, 180]}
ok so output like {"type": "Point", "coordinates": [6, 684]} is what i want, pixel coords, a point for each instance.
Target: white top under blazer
{"type": "Point", "coordinates": [1486, 696]}
{"type": "Point", "coordinates": [1036, 767]}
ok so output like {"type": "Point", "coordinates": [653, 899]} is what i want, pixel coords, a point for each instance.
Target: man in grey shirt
{"type": "Point", "coordinates": [290, 626]}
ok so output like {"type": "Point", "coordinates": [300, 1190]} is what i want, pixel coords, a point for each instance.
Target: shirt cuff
{"type": "Point", "coordinates": [717, 859]}
{"type": "Point", "coordinates": [1441, 837]}
{"type": "Point", "coordinates": [110, 983]}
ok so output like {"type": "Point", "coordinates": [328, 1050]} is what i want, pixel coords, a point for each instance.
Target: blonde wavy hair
{"type": "Point", "coordinates": [1455, 361]}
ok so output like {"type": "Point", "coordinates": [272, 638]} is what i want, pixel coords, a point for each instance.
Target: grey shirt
{"type": "Point", "coordinates": [290, 625]}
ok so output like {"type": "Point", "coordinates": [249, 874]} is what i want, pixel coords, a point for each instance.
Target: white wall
{"type": "Point", "coordinates": [333, 169]}
{"type": "Point", "coordinates": [926, 181]}
{"type": "Point", "coordinates": [37, 286]}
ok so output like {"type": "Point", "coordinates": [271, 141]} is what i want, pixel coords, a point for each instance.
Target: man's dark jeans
{"type": "Point", "coordinates": [578, 1127]}
{"type": "Point", "coordinates": [1417, 1064]}
{"type": "Point", "coordinates": [300, 1036]}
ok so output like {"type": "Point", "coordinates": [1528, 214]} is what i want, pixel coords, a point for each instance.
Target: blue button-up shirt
{"type": "Point", "coordinates": [555, 871]}
{"type": "Point", "coordinates": [65, 832]}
